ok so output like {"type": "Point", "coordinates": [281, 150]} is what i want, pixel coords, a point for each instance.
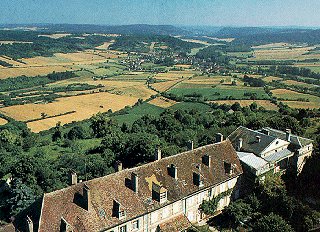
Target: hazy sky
{"type": "Point", "coordinates": [176, 12]}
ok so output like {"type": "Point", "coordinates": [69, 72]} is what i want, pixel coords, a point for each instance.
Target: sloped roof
{"type": "Point", "coordinates": [249, 140]}
{"type": "Point", "coordinates": [112, 187]}
{"type": "Point", "coordinates": [178, 223]}
{"type": "Point", "coordinates": [252, 160]}
{"type": "Point", "coordinates": [278, 156]}
{"type": "Point", "coordinates": [294, 139]}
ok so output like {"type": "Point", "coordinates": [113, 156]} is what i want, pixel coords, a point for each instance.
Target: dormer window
{"type": "Point", "coordinates": [197, 180]}
{"type": "Point", "coordinates": [118, 210]}
{"type": "Point", "coordinates": [159, 193]}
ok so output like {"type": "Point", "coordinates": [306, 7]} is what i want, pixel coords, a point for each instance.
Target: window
{"type": "Point", "coordinates": [210, 193]}
{"type": "Point", "coordinates": [123, 228]}
{"type": "Point", "coordinates": [135, 225]}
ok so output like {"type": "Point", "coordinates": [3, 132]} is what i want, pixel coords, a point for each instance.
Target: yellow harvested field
{"type": "Point", "coordinates": [162, 102]}
{"type": "Point", "coordinates": [12, 42]}
{"type": "Point", "coordinates": [264, 103]}
{"type": "Point", "coordinates": [105, 45]}
{"type": "Point", "coordinates": [298, 83]}
{"type": "Point", "coordinates": [174, 75]}
{"type": "Point", "coordinates": [229, 40]}
{"type": "Point", "coordinates": [297, 53]}
{"type": "Point", "coordinates": [3, 121]}
{"type": "Point", "coordinates": [166, 85]}
{"type": "Point", "coordinates": [84, 105]}
{"type": "Point", "coordinates": [271, 78]}
{"type": "Point", "coordinates": [56, 36]}
{"type": "Point", "coordinates": [272, 45]}
{"type": "Point", "coordinates": [32, 71]}
{"type": "Point", "coordinates": [183, 65]}
{"type": "Point", "coordinates": [196, 41]}
{"type": "Point", "coordinates": [302, 105]}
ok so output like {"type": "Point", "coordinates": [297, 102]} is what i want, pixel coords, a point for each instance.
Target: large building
{"type": "Point", "coordinates": [268, 149]}
{"type": "Point", "coordinates": [163, 195]}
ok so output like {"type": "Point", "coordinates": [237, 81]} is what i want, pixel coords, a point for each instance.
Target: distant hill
{"type": "Point", "coordinates": [262, 35]}
{"type": "Point", "coordinates": [117, 29]}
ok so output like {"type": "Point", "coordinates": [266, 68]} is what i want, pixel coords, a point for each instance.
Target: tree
{"type": "Point", "coordinates": [272, 223]}
{"type": "Point", "coordinates": [76, 132]}
{"type": "Point", "coordinates": [239, 212]}
{"type": "Point", "coordinates": [236, 106]}
{"type": "Point", "coordinates": [57, 134]}
{"type": "Point", "coordinates": [21, 196]}
{"type": "Point", "coordinates": [101, 125]}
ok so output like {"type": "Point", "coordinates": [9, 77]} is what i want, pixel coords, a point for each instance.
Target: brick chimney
{"type": "Point", "coordinates": [73, 178]}
{"type": "Point", "coordinates": [118, 166]}
{"type": "Point", "coordinates": [157, 153]}
{"type": "Point", "coordinates": [240, 143]}
{"type": "Point", "coordinates": [134, 182]}
{"type": "Point", "coordinates": [288, 135]}
{"type": "Point", "coordinates": [219, 137]}
{"type": "Point", "coordinates": [29, 224]}
{"type": "Point", "coordinates": [86, 197]}
{"type": "Point", "coordinates": [258, 139]}
{"type": "Point", "coordinates": [190, 145]}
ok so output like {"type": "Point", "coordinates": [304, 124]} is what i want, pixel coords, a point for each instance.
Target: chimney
{"type": "Point", "coordinates": [206, 160]}
{"type": "Point", "coordinates": [173, 172]}
{"type": "Point", "coordinates": [73, 178]}
{"type": "Point", "coordinates": [64, 225]}
{"type": "Point", "coordinates": [134, 182]}
{"type": "Point", "coordinates": [219, 137]}
{"type": "Point", "coordinates": [197, 179]}
{"type": "Point", "coordinates": [258, 139]}
{"type": "Point", "coordinates": [86, 197]}
{"type": "Point", "coordinates": [29, 224]}
{"type": "Point", "coordinates": [288, 135]}
{"type": "Point", "coordinates": [240, 142]}
{"type": "Point", "coordinates": [190, 145]}
{"type": "Point", "coordinates": [227, 168]}
{"type": "Point", "coordinates": [157, 153]}
{"type": "Point", "coordinates": [118, 166]}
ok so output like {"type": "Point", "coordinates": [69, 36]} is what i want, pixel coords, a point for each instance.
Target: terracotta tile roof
{"type": "Point", "coordinates": [7, 228]}
{"type": "Point", "coordinates": [176, 224]}
{"type": "Point", "coordinates": [66, 202]}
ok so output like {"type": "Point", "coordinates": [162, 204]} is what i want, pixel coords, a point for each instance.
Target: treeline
{"type": "Point", "coordinates": [254, 82]}
{"type": "Point", "coordinates": [5, 64]}
{"type": "Point", "coordinates": [23, 82]}
{"type": "Point", "coordinates": [136, 43]}
{"type": "Point", "coordinates": [44, 46]}
{"type": "Point", "coordinates": [214, 54]}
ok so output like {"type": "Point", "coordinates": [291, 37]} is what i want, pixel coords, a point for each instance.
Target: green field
{"type": "Point", "coordinates": [221, 92]}
{"type": "Point", "coordinates": [137, 112]}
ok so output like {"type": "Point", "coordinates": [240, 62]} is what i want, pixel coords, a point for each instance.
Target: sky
{"type": "Point", "coordinates": [173, 12]}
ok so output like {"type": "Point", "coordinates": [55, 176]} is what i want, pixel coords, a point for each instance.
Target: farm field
{"type": "Point", "coordinates": [284, 53]}
{"type": "Point", "coordinates": [3, 121]}
{"type": "Point", "coordinates": [162, 102]}
{"type": "Point", "coordinates": [296, 99]}
{"type": "Point", "coordinates": [298, 83]}
{"type": "Point", "coordinates": [175, 74]}
{"type": "Point", "coordinates": [271, 78]}
{"type": "Point", "coordinates": [60, 62]}
{"type": "Point", "coordinates": [84, 106]}
{"type": "Point", "coordinates": [264, 103]}
{"type": "Point", "coordinates": [137, 112]}
{"type": "Point", "coordinates": [220, 92]}
{"type": "Point", "coordinates": [165, 85]}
